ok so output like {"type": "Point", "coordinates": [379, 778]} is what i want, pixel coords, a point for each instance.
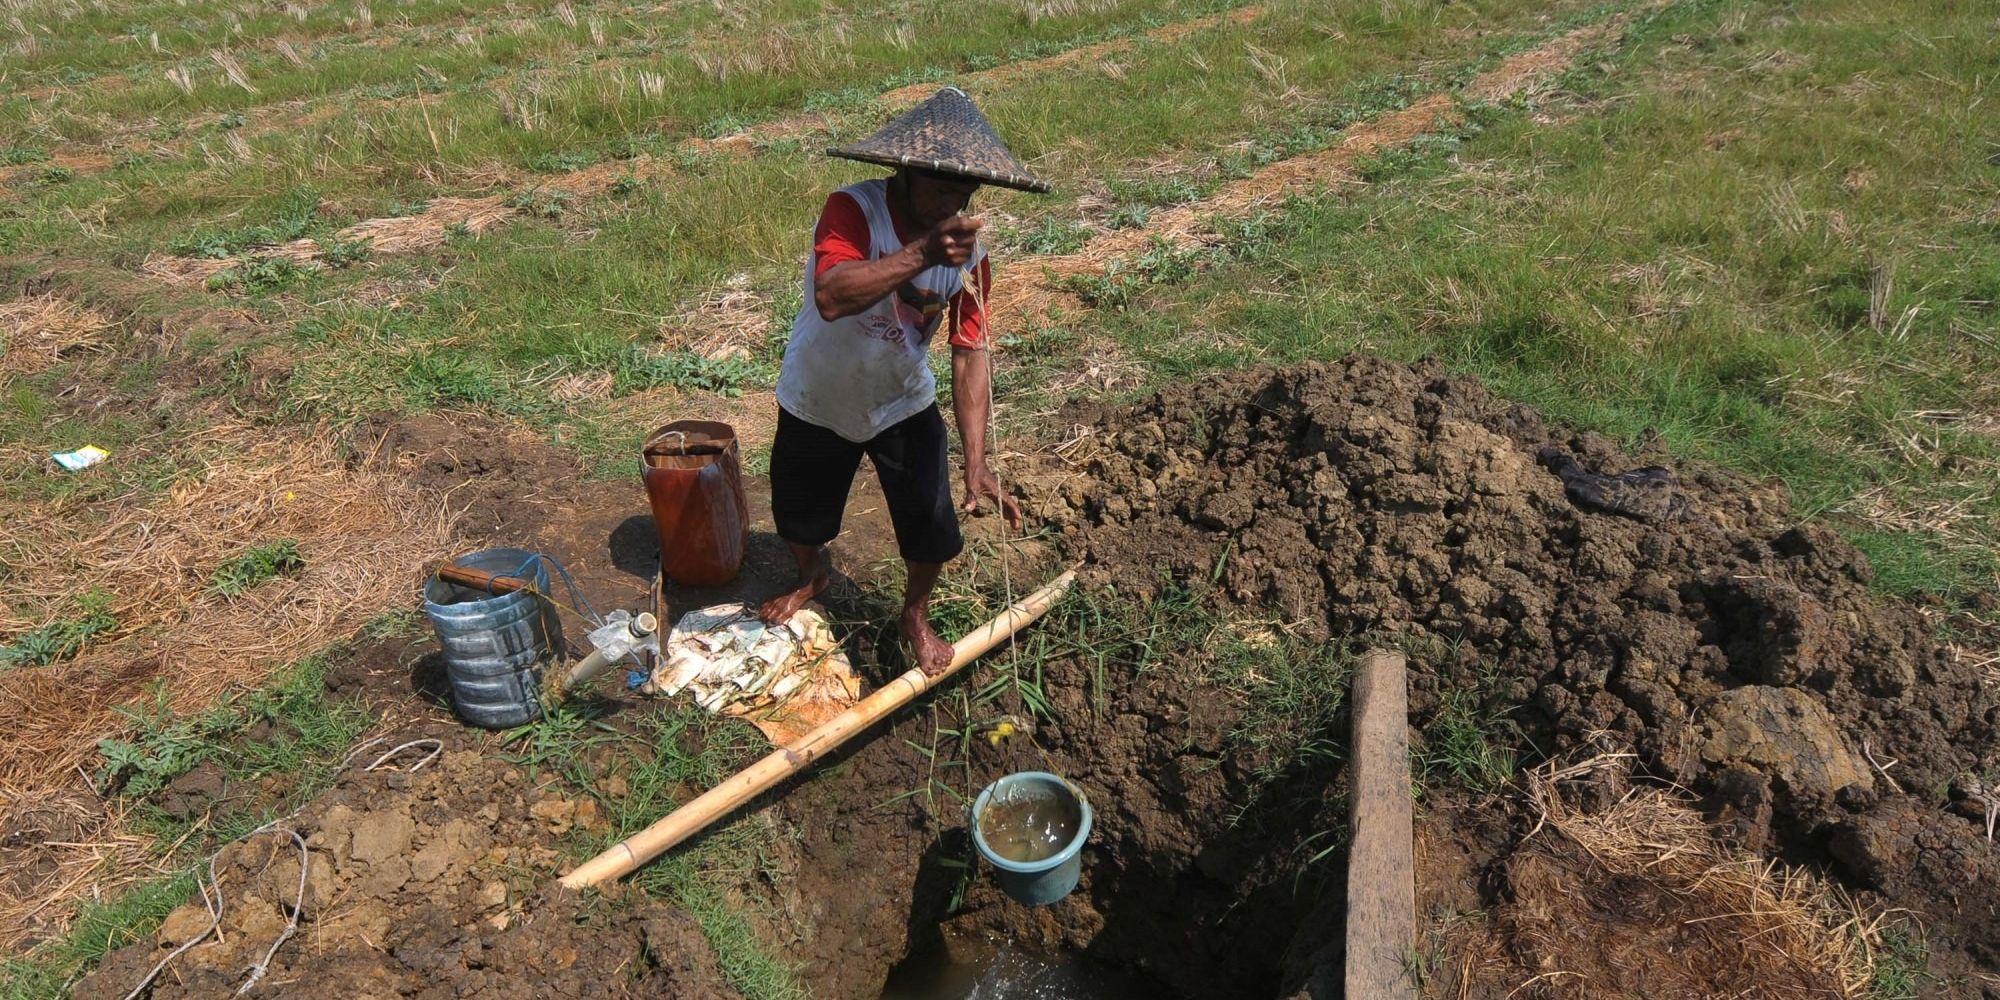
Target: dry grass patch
{"type": "Point", "coordinates": [56, 850]}
{"type": "Point", "coordinates": [364, 538]}
{"type": "Point", "coordinates": [1622, 890]}
{"type": "Point", "coordinates": [426, 230]}
{"type": "Point", "coordinates": [36, 332]}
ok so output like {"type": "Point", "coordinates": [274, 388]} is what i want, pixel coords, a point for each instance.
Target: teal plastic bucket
{"type": "Point", "coordinates": [1036, 883]}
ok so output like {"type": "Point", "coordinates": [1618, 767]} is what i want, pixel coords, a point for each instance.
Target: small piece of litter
{"type": "Point", "coordinates": [80, 459]}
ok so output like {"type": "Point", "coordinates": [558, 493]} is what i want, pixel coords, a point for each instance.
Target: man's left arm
{"type": "Point", "coordinates": [972, 398]}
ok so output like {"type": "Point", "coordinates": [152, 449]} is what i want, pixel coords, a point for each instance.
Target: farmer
{"type": "Point", "coordinates": [890, 257]}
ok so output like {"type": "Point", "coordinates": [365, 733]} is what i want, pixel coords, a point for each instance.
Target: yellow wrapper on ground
{"type": "Point", "coordinates": [784, 679]}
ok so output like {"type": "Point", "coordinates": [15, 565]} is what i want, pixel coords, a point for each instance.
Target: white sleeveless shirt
{"type": "Point", "coordinates": [859, 375]}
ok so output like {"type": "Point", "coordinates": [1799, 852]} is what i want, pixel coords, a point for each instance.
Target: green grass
{"type": "Point", "coordinates": [61, 639]}
{"type": "Point", "coordinates": [308, 728]}
{"type": "Point", "coordinates": [665, 758]}
{"type": "Point", "coordinates": [99, 928]}
{"type": "Point", "coordinates": [1470, 742]}
{"type": "Point", "coordinates": [1902, 963]}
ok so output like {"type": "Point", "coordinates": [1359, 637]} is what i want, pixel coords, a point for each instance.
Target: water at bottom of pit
{"type": "Point", "coordinates": [977, 969]}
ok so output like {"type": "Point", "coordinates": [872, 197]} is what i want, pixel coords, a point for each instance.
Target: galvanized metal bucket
{"type": "Point", "coordinates": [495, 645]}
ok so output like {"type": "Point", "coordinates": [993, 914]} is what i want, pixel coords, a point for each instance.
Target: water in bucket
{"type": "Point", "coordinates": [1029, 823]}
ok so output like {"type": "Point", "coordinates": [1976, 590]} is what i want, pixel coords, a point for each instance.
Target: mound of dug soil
{"type": "Point", "coordinates": [1691, 616]}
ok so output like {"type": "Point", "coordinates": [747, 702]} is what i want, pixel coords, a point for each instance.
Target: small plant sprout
{"type": "Point", "coordinates": [255, 566]}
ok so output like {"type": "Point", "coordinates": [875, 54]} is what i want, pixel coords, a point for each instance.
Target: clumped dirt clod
{"type": "Point", "coordinates": [1739, 651]}
{"type": "Point", "coordinates": [424, 884]}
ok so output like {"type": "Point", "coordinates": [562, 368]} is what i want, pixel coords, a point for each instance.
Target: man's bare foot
{"type": "Point", "coordinates": [932, 653]}
{"type": "Point", "coordinates": [780, 609]}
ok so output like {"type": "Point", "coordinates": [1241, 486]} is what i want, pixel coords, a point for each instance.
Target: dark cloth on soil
{"type": "Point", "coordinates": [1648, 494]}
{"type": "Point", "coordinates": [1740, 652]}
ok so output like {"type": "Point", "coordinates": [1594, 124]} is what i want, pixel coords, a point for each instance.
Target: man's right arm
{"type": "Point", "coordinates": [852, 286]}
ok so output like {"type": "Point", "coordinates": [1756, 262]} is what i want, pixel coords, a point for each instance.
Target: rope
{"type": "Point", "coordinates": [969, 280]}
{"type": "Point", "coordinates": [436, 748]}
{"type": "Point", "coordinates": [291, 926]}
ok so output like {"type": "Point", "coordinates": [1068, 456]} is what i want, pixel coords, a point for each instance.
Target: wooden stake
{"type": "Point", "coordinates": [492, 583]}
{"type": "Point", "coordinates": [627, 855]}
{"type": "Point", "coordinates": [1381, 869]}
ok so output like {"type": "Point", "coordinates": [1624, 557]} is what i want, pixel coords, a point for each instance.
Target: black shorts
{"type": "Point", "coordinates": [812, 468]}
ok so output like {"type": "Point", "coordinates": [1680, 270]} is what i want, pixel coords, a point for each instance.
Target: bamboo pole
{"type": "Point", "coordinates": [627, 855]}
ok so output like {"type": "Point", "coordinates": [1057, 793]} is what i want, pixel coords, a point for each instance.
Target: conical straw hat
{"type": "Point", "coordinates": [946, 134]}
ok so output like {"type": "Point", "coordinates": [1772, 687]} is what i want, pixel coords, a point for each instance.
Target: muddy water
{"type": "Point", "coordinates": [979, 970]}
{"type": "Point", "coordinates": [1030, 825]}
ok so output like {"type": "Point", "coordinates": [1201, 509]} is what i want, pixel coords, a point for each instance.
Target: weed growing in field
{"type": "Point", "coordinates": [339, 254]}
{"type": "Point", "coordinates": [62, 639]}
{"type": "Point", "coordinates": [542, 203]}
{"type": "Point", "coordinates": [295, 219]}
{"type": "Point", "coordinates": [15, 156]}
{"type": "Point", "coordinates": [99, 928]}
{"type": "Point", "coordinates": [308, 726]}
{"type": "Point", "coordinates": [639, 369]}
{"type": "Point", "coordinates": [1128, 216]}
{"type": "Point", "coordinates": [311, 733]}
{"type": "Point", "coordinates": [1160, 192]}
{"type": "Point", "coordinates": [561, 162]}
{"type": "Point", "coordinates": [255, 566]}
{"type": "Point", "coordinates": [1049, 236]}
{"type": "Point", "coordinates": [665, 759]}
{"type": "Point", "coordinates": [1122, 279]}
{"type": "Point", "coordinates": [257, 275]}
{"type": "Point", "coordinates": [1902, 961]}
{"type": "Point", "coordinates": [55, 175]}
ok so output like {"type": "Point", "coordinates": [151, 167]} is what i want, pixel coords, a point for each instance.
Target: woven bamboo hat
{"type": "Point", "coordinates": [948, 135]}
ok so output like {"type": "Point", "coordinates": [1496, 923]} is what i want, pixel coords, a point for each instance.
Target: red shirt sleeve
{"type": "Point", "coordinates": [969, 311]}
{"type": "Point", "coordinates": [842, 234]}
